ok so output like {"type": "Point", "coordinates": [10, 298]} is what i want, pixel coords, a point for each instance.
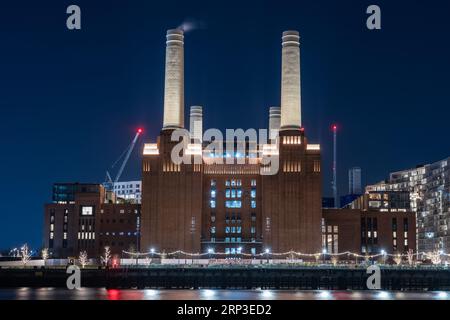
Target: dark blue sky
{"type": "Point", "coordinates": [71, 100]}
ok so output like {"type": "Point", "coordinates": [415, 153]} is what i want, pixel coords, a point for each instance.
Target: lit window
{"type": "Point", "coordinates": [227, 239]}
{"type": "Point", "coordinates": [213, 203]}
{"type": "Point", "coordinates": [253, 193]}
{"type": "Point", "coordinates": [253, 251]}
{"type": "Point", "coordinates": [253, 183]}
{"type": "Point", "coordinates": [239, 193]}
{"type": "Point", "coordinates": [253, 230]}
{"type": "Point", "coordinates": [51, 235]}
{"type": "Point", "coordinates": [213, 193]}
{"type": "Point", "coordinates": [87, 211]}
{"type": "Point", "coordinates": [213, 229]}
{"type": "Point", "coordinates": [52, 227]}
{"type": "Point", "coordinates": [239, 250]}
{"type": "Point", "coordinates": [227, 229]}
{"type": "Point", "coordinates": [227, 250]}
{"type": "Point", "coordinates": [65, 235]}
{"type": "Point", "coordinates": [253, 204]}
{"type": "Point", "coordinates": [233, 204]}
{"type": "Point", "coordinates": [227, 193]}
{"type": "Point", "coordinates": [238, 229]}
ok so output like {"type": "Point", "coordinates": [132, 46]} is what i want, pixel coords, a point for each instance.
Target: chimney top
{"type": "Point", "coordinates": [275, 111]}
{"type": "Point", "coordinates": [175, 37]}
{"type": "Point", "coordinates": [291, 37]}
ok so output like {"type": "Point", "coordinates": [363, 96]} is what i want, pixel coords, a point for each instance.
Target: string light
{"type": "Point", "coordinates": [278, 254]}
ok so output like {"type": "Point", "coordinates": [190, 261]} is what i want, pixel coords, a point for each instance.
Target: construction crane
{"type": "Point", "coordinates": [109, 184]}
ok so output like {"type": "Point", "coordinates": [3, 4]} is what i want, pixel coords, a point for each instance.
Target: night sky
{"type": "Point", "coordinates": [72, 100]}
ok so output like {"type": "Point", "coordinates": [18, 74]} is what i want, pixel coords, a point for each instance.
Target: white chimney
{"type": "Point", "coordinates": [274, 122]}
{"type": "Point", "coordinates": [290, 82]}
{"type": "Point", "coordinates": [196, 124]}
{"type": "Point", "coordinates": [174, 81]}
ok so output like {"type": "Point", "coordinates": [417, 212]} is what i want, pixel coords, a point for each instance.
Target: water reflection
{"type": "Point", "coordinates": [209, 294]}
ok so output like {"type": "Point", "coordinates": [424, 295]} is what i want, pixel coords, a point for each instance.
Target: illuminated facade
{"type": "Point", "coordinates": [233, 205]}
{"type": "Point", "coordinates": [429, 194]}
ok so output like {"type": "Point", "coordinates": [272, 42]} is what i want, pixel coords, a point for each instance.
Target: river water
{"type": "Point", "coordinates": [207, 294]}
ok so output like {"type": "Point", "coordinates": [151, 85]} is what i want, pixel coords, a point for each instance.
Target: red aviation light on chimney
{"type": "Point", "coordinates": [139, 130]}
{"type": "Point", "coordinates": [334, 127]}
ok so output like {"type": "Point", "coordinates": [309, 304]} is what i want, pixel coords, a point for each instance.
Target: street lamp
{"type": "Point", "coordinates": [210, 251]}
{"type": "Point", "coordinates": [324, 252]}
{"type": "Point", "coordinates": [152, 250]}
{"type": "Point", "coordinates": [384, 256]}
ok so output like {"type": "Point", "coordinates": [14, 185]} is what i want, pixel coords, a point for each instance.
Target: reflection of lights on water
{"type": "Point", "coordinates": [150, 293]}
{"type": "Point", "coordinates": [383, 295]}
{"type": "Point", "coordinates": [113, 294]}
{"type": "Point", "coordinates": [208, 293]}
{"type": "Point", "coordinates": [400, 295]}
{"type": "Point", "coordinates": [324, 294]}
{"type": "Point", "coordinates": [267, 294]}
{"type": "Point", "coordinates": [442, 295]}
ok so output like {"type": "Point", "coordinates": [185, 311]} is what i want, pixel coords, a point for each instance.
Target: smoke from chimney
{"type": "Point", "coordinates": [189, 25]}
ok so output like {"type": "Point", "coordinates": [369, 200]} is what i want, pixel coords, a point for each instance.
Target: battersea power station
{"type": "Point", "coordinates": [230, 205]}
{"type": "Point", "coordinates": [205, 193]}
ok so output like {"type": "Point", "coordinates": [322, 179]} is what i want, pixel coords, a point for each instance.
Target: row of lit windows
{"type": "Point", "coordinates": [136, 211]}
{"type": "Point", "coordinates": [233, 239]}
{"type": "Point", "coordinates": [118, 233]}
{"type": "Point", "coordinates": [233, 229]}
{"type": "Point", "coordinates": [86, 235]}
{"type": "Point", "coordinates": [238, 251]}
{"type": "Point", "coordinates": [233, 183]}
{"type": "Point", "coordinates": [292, 140]}
{"type": "Point", "coordinates": [237, 229]}
{"type": "Point", "coordinates": [233, 204]}
{"type": "Point", "coordinates": [126, 186]}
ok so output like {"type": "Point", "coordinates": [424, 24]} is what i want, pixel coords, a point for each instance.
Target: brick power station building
{"type": "Point", "coordinates": [223, 201]}
{"type": "Point", "coordinates": [224, 205]}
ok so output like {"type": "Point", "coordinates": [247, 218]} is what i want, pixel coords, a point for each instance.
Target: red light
{"type": "Point", "coordinates": [113, 294]}
{"type": "Point", "coordinates": [334, 127]}
{"type": "Point", "coordinates": [140, 130]}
